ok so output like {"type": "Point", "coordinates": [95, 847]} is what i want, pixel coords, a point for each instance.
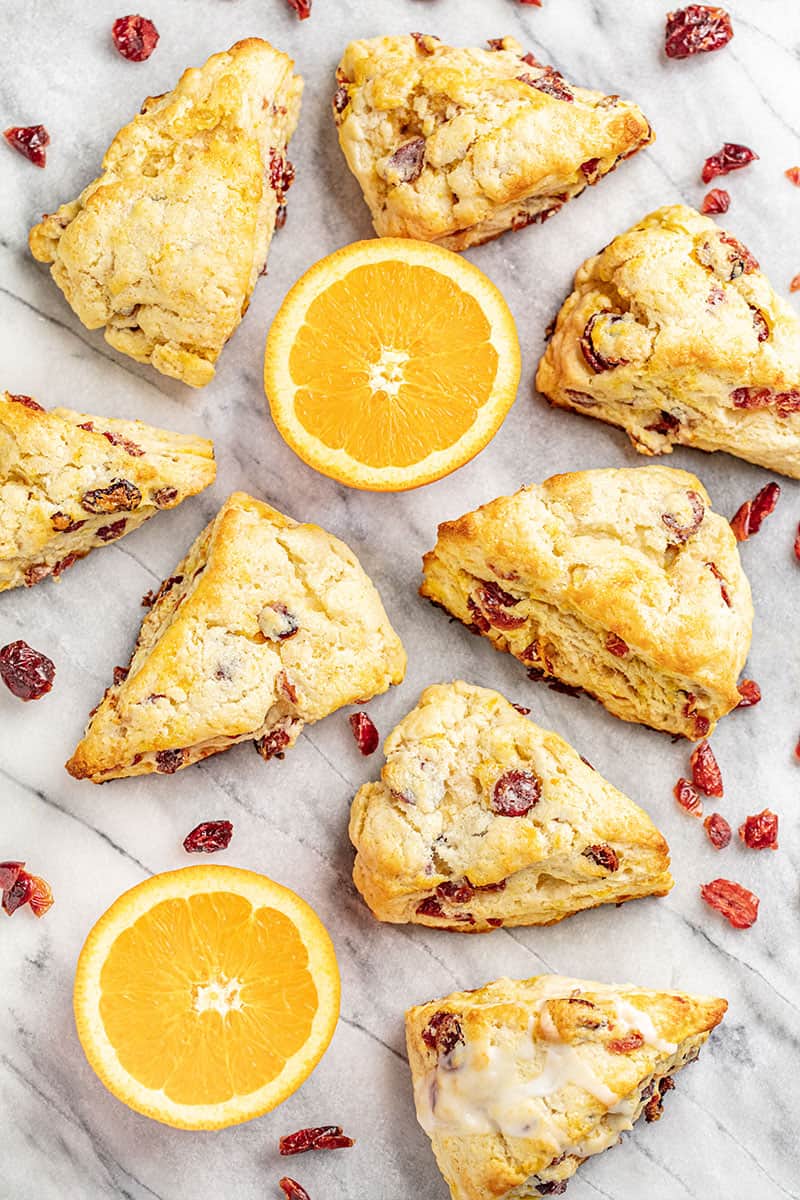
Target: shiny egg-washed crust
{"type": "Point", "coordinates": [484, 148]}
{"type": "Point", "coordinates": [698, 333]}
{"type": "Point", "coordinates": [266, 626]}
{"type": "Point", "coordinates": [570, 1030]}
{"type": "Point", "coordinates": [430, 822]}
{"type": "Point", "coordinates": [164, 248]}
{"type": "Point", "coordinates": [588, 558]}
{"type": "Point", "coordinates": [65, 490]}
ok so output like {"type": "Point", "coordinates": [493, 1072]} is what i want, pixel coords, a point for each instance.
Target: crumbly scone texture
{"type": "Point", "coordinates": [518, 1082]}
{"type": "Point", "coordinates": [673, 333]}
{"type": "Point", "coordinates": [435, 848]}
{"type": "Point", "coordinates": [623, 583]}
{"type": "Point", "coordinates": [266, 626]}
{"type": "Point", "coordinates": [457, 145]}
{"type": "Point", "coordinates": [165, 246]}
{"type": "Point", "coordinates": [71, 481]}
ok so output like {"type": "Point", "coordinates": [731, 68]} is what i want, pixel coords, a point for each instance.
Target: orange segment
{"type": "Point", "coordinates": [206, 996]}
{"type": "Point", "coordinates": [390, 363]}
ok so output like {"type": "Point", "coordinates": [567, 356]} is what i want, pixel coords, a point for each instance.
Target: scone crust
{"type": "Point", "coordinates": [589, 554]}
{"type": "Point", "coordinates": [506, 141]}
{"type": "Point", "coordinates": [431, 849]}
{"type": "Point", "coordinates": [164, 248]}
{"type": "Point", "coordinates": [266, 625]}
{"type": "Point", "coordinates": [708, 354]}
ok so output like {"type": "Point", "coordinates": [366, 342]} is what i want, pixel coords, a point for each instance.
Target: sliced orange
{"type": "Point", "coordinates": [390, 363]}
{"type": "Point", "coordinates": [206, 996]}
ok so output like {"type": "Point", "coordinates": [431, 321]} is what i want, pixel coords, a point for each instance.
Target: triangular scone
{"type": "Point", "coordinates": [456, 146]}
{"type": "Point", "coordinates": [673, 333]}
{"type": "Point", "coordinates": [70, 481]}
{"type": "Point", "coordinates": [482, 819]}
{"type": "Point", "coordinates": [264, 627]}
{"type": "Point", "coordinates": [622, 583]}
{"type": "Point", "coordinates": [165, 247]}
{"type": "Point", "coordinates": [519, 1082]}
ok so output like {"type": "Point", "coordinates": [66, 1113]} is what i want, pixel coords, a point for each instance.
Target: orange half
{"type": "Point", "coordinates": [390, 363]}
{"type": "Point", "coordinates": [204, 997]}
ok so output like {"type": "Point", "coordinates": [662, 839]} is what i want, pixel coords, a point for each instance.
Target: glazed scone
{"type": "Point", "coordinates": [519, 1082]}
{"type": "Point", "coordinates": [266, 626]}
{"type": "Point", "coordinates": [622, 583]}
{"type": "Point", "coordinates": [70, 481]}
{"type": "Point", "coordinates": [164, 248]}
{"type": "Point", "coordinates": [483, 819]}
{"type": "Point", "coordinates": [456, 146]}
{"type": "Point", "coordinates": [673, 333]}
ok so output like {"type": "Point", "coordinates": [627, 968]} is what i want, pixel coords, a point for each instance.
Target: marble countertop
{"type": "Point", "coordinates": [732, 1128]}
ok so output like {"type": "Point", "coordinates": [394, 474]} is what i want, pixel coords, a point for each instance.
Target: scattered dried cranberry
{"type": "Point", "coordinates": [495, 603]}
{"type": "Point", "coordinates": [793, 175]}
{"type": "Point", "coordinates": [120, 496]}
{"type": "Point", "coordinates": [753, 397]}
{"type": "Point", "coordinates": [170, 761]}
{"type": "Point", "coordinates": [364, 732]}
{"type": "Point", "coordinates": [120, 675]}
{"type": "Point", "coordinates": [408, 160]}
{"type": "Point", "coordinates": [41, 897]}
{"type": "Point", "coordinates": [551, 82]}
{"type": "Point", "coordinates": [748, 519]}
{"type": "Point", "coordinates": [794, 284]}
{"type": "Point", "coordinates": [29, 140]}
{"type": "Point", "coordinates": [107, 533]}
{"type": "Point", "coordinates": [9, 874]}
{"type": "Point", "coordinates": [301, 7]}
{"type": "Point", "coordinates": [515, 793]}
{"type": "Point", "coordinates": [208, 837]}
{"type": "Point", "coordinates": [732, 157]}
{"type": "Point", "coordinates": [27, 401]}
{"type": "Point", "coordinates": [19, 888]}
{"type": "Point", "coordinates": [321, 1137]}
{"type": "Point", "coordinates": [604, 855]}
{"type": "Point", "coordinates": [705, 770]}
{"type": "Point", "coordinates": [18, 894]}
{"type": "Point", "coordinates": [273, 744]}
{"type": "Point", "coordinates": [715, 571]}
{"type": "Point", "coordinates": [750, 692]}
{"type": "Point", "coordinates": [291, 1189]}
{"type": "Point", "coordinates": [624, 1045]}
{"type": "Point", "coordinates": [696, 29]}
{"type": "Point", "coordinates": [165, 496]}
{"type": "Point", "coordinates": [521, 709]}
{"type": "Point", "coordinates": [135, 37]}
{"type": "Point", "coordinates": [717, 201]}
{"type": "Point", "coordinates": [443, 1032]}
{"type": "Point", "coordinates": [736, 904]}
{"type": "Point", "coordinates": [429, 907]}
{"type": "Point", "coordinates": [681, 533]}
{"type": "Point", "coordinates": [533, 3]}
{"type": "Point", "coordinates": [455, 892]}
{"type": "Point", "coordinates": [760, 832]}
{"type": "Point", "coordinates": [616, 646]}
{"type": "Point", "coordinates": [25, 672]}
{"type": "Point", "coordinates": [688, 797]}
{"type": "Point", "coordinates": [718, 830]}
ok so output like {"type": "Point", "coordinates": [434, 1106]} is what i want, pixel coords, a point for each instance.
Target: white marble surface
{"type": "Point", "coordinates": [732, 1128]}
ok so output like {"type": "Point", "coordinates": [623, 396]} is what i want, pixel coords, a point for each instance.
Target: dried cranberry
{"type": "Point", "coordinates": [365, 733]}
{"type": "Point", "coordinates": [25, 672]}
{"type": "Point", "coordinates": [120, 675]}
{"type": "Point", "coordinates": [429, 907]}
{"type": "Point", "coordinates": [624, 1045]}
{"type": "Point", "coordinates": [165, 496]}
{"type": "Point", "coordinates": [715, 571]}
{"type": "Point", "coordinates": [408, 160]}
{"type": "Point", "coordinates": [107, 533]}
{"type": "Point", "coordinates": [793, 175]}
{"type": "Point", "coordinates": [341, 99]}
{"type": "Point", "coordinates": [126, 444]}
{"type": "Point", "coordinates": [455, 892]}
{"type": "Point", "coordinates": [687, 796]}
{"type": "Point", "coordinates": [590, 170]}
{"type": "Point", "coordinates": [718, 830]}
{"type": "Point", "coordinates": [732, 157]}
{"type": "Point", "coordinates": [551, 82]}
{"type": "Point", "coordinates": [760, 832]}
{"type": "Point", "coordinates": [303, 10]}
{"type": "Point", "coordinates": [705, 770]}
{"type": "Point", "coordinates": [796, 546]}
{"type": "Point", "coordinates": [29, 140]}
{"type": "Point", "coordinates": [736, 904]}
{"type": "Point", "coordinates": [119, 496]}
{"type": "Point", "coordinates": [443, 1032]}
{"type": "Point", "coordinates": [19, 893]}
{"type": "Point", "coordinates": [41, 897]}
{"type": "Point", "coordinates": [717, 201]}
{"type": "Point", "coordinates": [421, 41]}
{"type": "Point", "coordinates": [208, 837]}
{"type": "Point", "coordinates": [551, 1187]}
{"type": "Point", "coordinates": [594, 359]}
{"type": "Point", "coordinates": [605, 856]}
{"type": "Point", "coordinates": [135, 37]}
{"type": "Point", "coordinates": [9, 874]}
{"type": "Point", "coordinates": [521, 709]}
{"type": "Point", "coordinates": [696, 29]}
{"type": "Point", "coordinates": [753, 397]}
{"type": "Point", "coordinates": [27, 402]}
{"type": "Point", "coordinates": [515, 793]}
{"type": "Point", "coordinates": [794, 283]}
{"type": "Point", "coordinates": [681, 533]}
{"type": "Point", "coordinates": [170, 761]}
{"type": "Point", "coordinates": [616, 646]}
{"type": "Point", "coordinates": [495, 603]}
{"type": "Point", "coordinates": [748, 519]}
{"type": "Point", "coordinates": [533, 3]}
{"type": "Point", "coordinates": [291, 1189]}
{"type": "Point", "coordinates": [273, 744]}
{"type": "Point", "coordinates": [321, 1137]}
{"type": "Point", "coordinates": [750, 692]}
{"type": "Point", "coordinates": [280, 218]}
{"type": "Point", "coordinates": [667, 423]}
{"type": "Point", "coordinates": [62, 523]}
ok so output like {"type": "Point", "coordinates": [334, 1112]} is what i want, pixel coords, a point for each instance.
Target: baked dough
{"type": "Point", "coordinates": [456, 145]}
{"type": "Point", "coordinates": [70, 481]}
{"type": "Point", "coordinates": [673, 333]}
{"type": "Point", "coordinates": [437, 844]}
{"type": "Point", "coordinates": [519, 1082]}
{"type": "Point", "coordinates": [165, 247]}
{"type": "Point", "coordinates": [621, 582]}
{"type": "Point", "coordinates": [264, 627]}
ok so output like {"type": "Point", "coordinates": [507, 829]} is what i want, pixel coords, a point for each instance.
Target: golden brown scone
{"type": "Point", "coordinates": [519, 1082]}
{"type": "Point", "coordinates": [70, 481]}
{"type": "Point", "coordinates": [265, 626]}
{"type": "Point", "coordinates": [165, 247]}
{"type": "Point", "coordinates": [482, 819]}
{"type": "Point", "coordinates": [622, 583]}
{"type": "Point", "coordinates": [673, 333]}
{"type": "Point", "coordinates": [456, 146]}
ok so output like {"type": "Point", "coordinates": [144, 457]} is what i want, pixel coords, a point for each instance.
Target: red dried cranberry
{"type": "Point", "coordinates": [521, 709]}
{"type": "Point", "coordinates": [18, 894]}
{"type": "Point", "coordinates": [29, 140]}
{"type": "Point", "coordinates": [25, 672]}
{"type": "Point", "coordinates": [443, 1032]}
{"type": "Point", "coordinates": [590, 170]}
{"type": "Point", "coordinates": [341, 98]}
{"type": "Point", "coordinates": [696, 29]}
{"type": "Point", "coordinates": [272, 745]}
{"type": "Point", "coordinates": [796, 546]}
{"type": "Point", "coordinates": [736, 904]}
{"type": "Point", "coordinates": [41, 897]}
{"type": "Point", "coordinates": [616, 646]}
{"type": "Point", "coordinates": [291, 1189]}
{"type": "Point", "coordinates": [301, 7]}
{"type": "Point", "coordinates": [717, 201]}
{"type": "Point", "coordinates": [667, 423]}
{"type": "Point", "coordinates": [604, 855]}
{"type": "Point", "coordinates": [320, 1137]}
{"type": "Point", "coordinates": [594, 359]}
{"type": "Point", "coordinates": [794, 283]}
{"type": "Point", "coordinates": [495, 603]}
{"type": "Point", "coordinates": [119, 496]}
{"type": "Point", "coordinates": [749, 518]}
{"type": "Point", "coordinates": [551, 82]}
{"type": "Point", "coordinates": [280, 216]}
{"type": "Point", "coordinates": [793, 175]}
{"type": "Point", "coordinates": [107, 533]}
{"type": "Point", "coordinates": [27, 401]}
{"type": "Point", "coordinates": [408, 160]}
{"type": "Point", "coordinates": [760, 324]}
{"type": "Point", "coordinates": [515, 793]}
{"type": "Point", "coordinates": [170, 761]}
{"type": "Point", "coordinates": [533, 3]}
{"type": "Point", "coordinates": [715, 571]}
{"type": "Point", "coordinates": [753, 397]}
{"type": "Point", "coordinates": [421, 41]}
{"type": "Point", "coordinates": [365, 733]}
{"type": "Point", "coordinates": [760, 832]}
{"type": "Point", "coordinates": [687, 796]}
{"type": "Point", "coordinates": [120, 675]}
{"type": "Point", "coordinates": [165, 496]}
{"type": "Point", "coordinates": [9, 874]}
{"type": "Point", "coordinates": [455, 892]}
{"type": "Point", "coordinates": [705, 770]}
{"type": "Point", "coordinates": [718, 830]}
{"type": "Point", "coordinates": [624, 1045]}
{"type": "Point", "coordinates": [681, 533]}
{"type": "Point", "coordinates": [208, 837]}
{"type": "Point", "coordinates": [750, 692]}
{"type": "Point", "coordinates": [135, 37]}
{"type": "Point", "coordinates": [732, 157]}
{"type": "Point", "coordinates": [127, 445]}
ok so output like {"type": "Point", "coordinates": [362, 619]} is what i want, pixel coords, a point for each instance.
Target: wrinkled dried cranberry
{"type": "Point", "coordinates": [736, 904]}
{"type": "Point", "coordinates": [715, 571]}
{"type": "Point", "coordinates": [605, 856]}
{"type": "Point", "coordinates": [321, 1137]}
{"type": "Point", "coordinates": [753, 397]}
{"type": "Point", "coordinates": [165, 496]}
{"type": "Point", "coordinates": [9, 874]}
{"type": "Point", "coordinates": [27, 402]}
{"type": "Point", "coordinates": [515, 793]}
{"type": "Point", "coordinates": [456, 892]}
{"type": "Point", "coordinates": [552, 1187]}
{"type": "Point", "coordinates": [696, 29]}
{"type": "Point", "coordinates": [429, 907]}
{"type": "Point", "coordinates": [341, 99]}
{"type": "Point", "coordinates": [750, 692]}
{"type": "Point", "coordinates": [421, 41]}
{"type": "Point", "coordinates": [41, 897]}
{"type": "Point", "coordinates": [280, 218]}
{"type": "Point", "coordinates": [590, 170]}
{"type": "Point", "coordinates": [594, 359]}
{"type": "Point", "coordinates": [793, 175]}
{"type": "Point", "coordinates": [18, 894]}
{"type": "Point", "coordinates": [687, 796]}
{"type": "Point", "coordinates": [749, 518]}
{"type": "Point", "coordinates": [760, 324]}
{"type": "Point", "coordinates": [364, 732]}
{"type": "Point", "coordinates": [732, 157]}
{"type": "Point", "coordinates": [291, 1189]}
{"type": "Point", "coordinates": [718, 830]}
{"type": "Point", "coordinates": [495, 603]}
{"type": "Point", "coordinates": [443, 1032]}
{"type": "Point", "coordinates": [681, 533]}
{"type": "Point", "coordinates": [408, 160]}
{"type": "Point", "coordinates": [208, 837]}
{"type": "Point", "coordinates": [303, 10]}
{"type": "Point", "coordinates": [760, 832]}
{"type": "Point", "coordinates": [119, 496]}
{"type": "Point", "coordinates": [705, 770]}
{"type": "Point", "coordinates": [272, 745]}
{"type": "Point", "coordinates": [120, 675]}
{"type": "Point", "coordinates": [135, 37]}
{"type": "Point", "coordinates": [616, 646]}
{"type": "Point", "coordinates": [521, 709]}
{"type": "Point", "coordinates": [30, 141]}
{"type": "Point", "coordinates": [624, 1045]}
{"type": "Point", "coordinates": [62, 523]}
{"type": "Point", "coordinates": [717, 201]}
{"type": "Point", "coordinates": [26, 673]}
{"type": "Point", "coordinates": [107, 533]}
{"type": "Point", "coordinates": [126, 444]}
{"type": "Point", "coordinates": [551, 82]}
{"type": "Point", "coordinates": [170, 761]}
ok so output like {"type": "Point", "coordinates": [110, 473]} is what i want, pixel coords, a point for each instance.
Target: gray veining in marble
{"type": "Point", "coordinates": [731, 1130]}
